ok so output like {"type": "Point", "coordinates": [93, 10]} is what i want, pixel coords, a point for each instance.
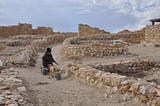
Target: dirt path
{"type": "Point", "coordinates": [68, 91]}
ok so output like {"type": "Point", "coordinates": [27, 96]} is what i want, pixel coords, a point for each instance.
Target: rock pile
{"type": "Point", "coordinates": [12, 90]}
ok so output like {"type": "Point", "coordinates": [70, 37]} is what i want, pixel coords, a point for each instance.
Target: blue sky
{"type": "Point", "coordinates": [65, 15]}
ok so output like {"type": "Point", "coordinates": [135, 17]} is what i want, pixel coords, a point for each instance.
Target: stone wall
{"type": "Point", "coordinates": [41, 44]}
{"type": "Point", "coordinates": [85, 30]}
{"type": "Point", "coordinates": [134, 38]}
{"type": "Point", "coordinates": [24, 29]}
{"type": "Point", "coordinates": [113, 82]}
{"type": "Point", "coordinates": [42, 31]}
{"type": "Point", "coordinates": [77, 48]}
{"type": "Point", "coordinates": [16, 30]}
{"type": "Point", "coordinates": [152, 34]}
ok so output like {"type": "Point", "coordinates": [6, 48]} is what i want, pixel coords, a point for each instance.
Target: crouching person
{"type": "Point", "coordinates": [47, 61]}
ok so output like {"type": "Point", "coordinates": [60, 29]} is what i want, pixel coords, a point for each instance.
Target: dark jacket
{"type": "Point", "coordinates": [48, 59]}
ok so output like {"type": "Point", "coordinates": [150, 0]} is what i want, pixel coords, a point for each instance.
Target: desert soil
{"type": "Point", "coordinates": [70, 91]}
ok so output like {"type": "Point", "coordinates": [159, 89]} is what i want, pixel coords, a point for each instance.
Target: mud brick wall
{"type": "Point", "coordinates": [85, 30]}
{"type": "Point", "coordinates": [93, 49]}
{"type": "Point", "coordinates": [144, 91]}
{"type": "Point", "coordinates": [152, 34]}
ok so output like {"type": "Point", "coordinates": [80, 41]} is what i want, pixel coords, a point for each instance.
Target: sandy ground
{"type": "Point", "coordinates": [70, 91]}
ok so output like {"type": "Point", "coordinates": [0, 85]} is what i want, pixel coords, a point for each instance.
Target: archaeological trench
{"type": "Point", "coordinates": [20, 44]}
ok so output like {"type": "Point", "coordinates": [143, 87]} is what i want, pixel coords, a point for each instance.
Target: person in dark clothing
{"type": "Point", "coordinates": [48, 58]}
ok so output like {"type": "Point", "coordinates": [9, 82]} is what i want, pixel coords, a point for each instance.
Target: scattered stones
{"type": "Point", "coordinates": [11, 89]}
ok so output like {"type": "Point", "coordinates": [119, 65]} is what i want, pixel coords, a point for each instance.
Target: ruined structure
{"type": "Point", "coordinates": [152, 34]}
{"type": "Point", "coordinates": [135, 37]}
{"type": "Point", "coordinates": [24, 29]}
{"type": "Point", "coordinates": [85, 30]}
{"type": "Point", "coordinates": [136, 87]}
{"type": "Point", "coordinates": [42, 31]}
{"type": "Point", "coordinates": [92, 47]}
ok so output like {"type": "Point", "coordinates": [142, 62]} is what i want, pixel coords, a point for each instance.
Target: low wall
{"type": "Point", "coordinates": [77, 48]}
{"type": "Point", "coordinates": [144, 91]}
{"type": "Point", "coordinates": [152, 34]}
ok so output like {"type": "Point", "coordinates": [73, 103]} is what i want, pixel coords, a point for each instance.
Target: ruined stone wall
{"type": "Point", "coordinates": [24, 29]}
{"type": "Point", "coordinates": [16, 30]}
{"type": "Point", "coordinates": [42, 31]}
{"type": "Point", "coordinates": [75, 48]}
{"type": "Point", "coordinates": [113, 82]}
{"type": "Point", "coordinates": [134, 38]}
{"type": "Point", "coordinates": [152, 34]}
{"type": "Point", "coordinates": [40, 44]}
{"type": "Point", "coordinates": [85, 30]}
{"type": "Point", "coordinates": [23, 49]}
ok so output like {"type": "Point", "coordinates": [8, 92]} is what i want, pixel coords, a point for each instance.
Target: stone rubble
{"type": "Point", "coordinates": [11, 88]}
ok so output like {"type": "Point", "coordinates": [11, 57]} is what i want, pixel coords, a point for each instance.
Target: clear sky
{"type": "Point", "coordinates": [65, 15]}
